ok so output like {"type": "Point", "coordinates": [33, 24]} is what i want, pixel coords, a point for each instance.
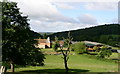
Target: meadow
{"type": "Point", "coordinates": [76, 63]}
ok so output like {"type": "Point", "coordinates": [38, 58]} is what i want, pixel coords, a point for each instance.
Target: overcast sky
{"type": "Point", "coordinates": [51, 16]}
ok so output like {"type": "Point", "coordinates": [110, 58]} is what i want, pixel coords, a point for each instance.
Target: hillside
{"type": "Point", "coordinates": [48, 33]}
{"type": "Point", "coordinates": [108, 34]}
{"type": "Point", "coordinates": [35, 34]}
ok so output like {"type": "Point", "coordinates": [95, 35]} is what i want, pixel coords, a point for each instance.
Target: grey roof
{"type": "Point", "coordinates": [89, 43]}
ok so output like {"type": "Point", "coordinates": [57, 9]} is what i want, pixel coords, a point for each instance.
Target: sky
{"type": "Point", "coordinates": [57, 16]}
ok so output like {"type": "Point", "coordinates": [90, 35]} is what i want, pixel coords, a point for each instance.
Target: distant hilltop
{"type": "Point", "coordinates": [108, 34]}
{"type": "Point", "coordinates": [48, 33]}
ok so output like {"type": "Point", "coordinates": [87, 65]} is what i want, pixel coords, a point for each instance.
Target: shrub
{"type": "Point", "coordinates": [55, 46]}
{"type": "Point", "coordinates": [104, 52]}
{"type": "Point", "coordinates": [96, 48]}
{"type": "Point", "coordinates": [79, 47]}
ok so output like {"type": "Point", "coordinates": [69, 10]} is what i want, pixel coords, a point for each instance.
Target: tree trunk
{"type": "Point", "coordinates": [66, 66]}
{"type": "Point", "coordinates": [3, 69]}
{"type": "Point", "coordinates": [12, 67]}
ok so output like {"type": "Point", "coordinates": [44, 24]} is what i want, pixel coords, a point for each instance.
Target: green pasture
{"type": "Point", "coordinates": [76, 63]}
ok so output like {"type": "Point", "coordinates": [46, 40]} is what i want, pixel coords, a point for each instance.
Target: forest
{"type": "Point", "coordinates": [107, 34]}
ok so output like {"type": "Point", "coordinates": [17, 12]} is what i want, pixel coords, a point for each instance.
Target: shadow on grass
{"type": "Point", "coordinates": [56, 70]}
{"type": "Point", "coordinates": [60, 71]}
{"type": "Point", "coordinates": [92, 53]}
{"type": "Point", "coordinates": [47, 71]}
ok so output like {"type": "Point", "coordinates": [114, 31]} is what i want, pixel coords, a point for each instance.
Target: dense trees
{"type": "Point", "coordinates": [45, 36]}
{"type": "Point", "coordinates": [108, 34]}
{"type": "Point", "coordinates": [18, 40]}
{"type": "Point", "coordinates": [110, 39]}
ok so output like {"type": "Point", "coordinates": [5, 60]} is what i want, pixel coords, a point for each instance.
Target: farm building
{"type": "Point", "coordinates": [90, 44]}
{"type": "Point", "coordinates": [43, 43]}
{"type": "Point", "coordinates": [61, 42]}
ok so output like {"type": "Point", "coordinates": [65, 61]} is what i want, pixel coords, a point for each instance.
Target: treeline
{"type": "Point", "coordinates": [108, 34]}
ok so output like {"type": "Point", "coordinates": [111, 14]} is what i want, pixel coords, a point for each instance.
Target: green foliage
{"type": "Point", "coordinates": [18, 40]}
{"type": "Point", "coordinates": [108, 34]}
{"type": "Point", "coordinates": [79, 47]}
{"type": "Point", "coordinates": [36, 57]}
{"type": "Point", "coordinates": [65, 42]}
{"type": "Point", "coordinates": [55, 44]}
{"type": "Point", "coordinates": [110, 39]}
{"type": "Point", "coordinates": [95, 48]}
{"type": "Point", "coordinates": [44, 36]}
{"type": "Point", "coordinates": [104, 52]}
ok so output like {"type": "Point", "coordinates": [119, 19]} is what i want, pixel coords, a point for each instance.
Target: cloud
{"type": "Point", "coordinates": [44, 11]}
{"type": "Point", "coordinates": [64, 6]}
{"type": "Point", "coordinates": [57, 26]}
{"type": "Point", "coordinates": [45, 16]}
{"type": "Point", "coordinates": [87, 19]}
{"type": "Point", "coordinates": [101, 5]}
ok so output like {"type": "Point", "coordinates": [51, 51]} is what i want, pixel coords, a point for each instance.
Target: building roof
{"type": "Point", "coordinates": [89, 43]}
{"type": "Point", "coordinates": [41, 40]}
{"type": "Point", "coordinates": [73, 42]}
{"type": "Point", "coordinates": [61, 42]}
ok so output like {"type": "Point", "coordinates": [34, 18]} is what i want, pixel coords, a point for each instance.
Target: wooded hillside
{"type": "Point", "coordinates": [108, 34]}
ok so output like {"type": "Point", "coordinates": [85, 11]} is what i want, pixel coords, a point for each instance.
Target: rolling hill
{"type": "Point", "coordinates": [108, 34]}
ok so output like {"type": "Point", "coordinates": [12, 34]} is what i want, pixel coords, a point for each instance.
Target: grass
{"type": "Point", "coordinates": [114, 56]}
{"type": "Point", "coordinates": [76, 63]}
{"type": "Point", "coordinates": [116, 48]}
{"type": "Point", "coordinates": [47, 50]}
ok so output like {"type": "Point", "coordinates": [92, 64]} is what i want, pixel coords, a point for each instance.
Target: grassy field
{"type": "Point", "coordinates": [116, 48]}
{"type": "Point", "coordinates": [76, 63]}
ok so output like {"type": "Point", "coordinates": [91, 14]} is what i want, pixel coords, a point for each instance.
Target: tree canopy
{"type": "Point", "coordinates": [18, 40]}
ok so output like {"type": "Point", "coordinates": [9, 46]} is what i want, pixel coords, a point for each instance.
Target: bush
{"type": "Point", "coordinates": [55, 46]}
{"type": "Point", "coordinates": [104, 52]}
{"type": "Point", "coordinates": [79, 47]}
{"type": "Point", "coordinates": [96, 48]}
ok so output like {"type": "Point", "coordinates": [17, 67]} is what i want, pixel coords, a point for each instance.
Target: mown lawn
{"type": "Point", "coordinates": [76, 63]}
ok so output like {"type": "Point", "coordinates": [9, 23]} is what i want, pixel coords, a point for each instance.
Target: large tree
{"type": "Point", "coordinates": [18, 40]}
